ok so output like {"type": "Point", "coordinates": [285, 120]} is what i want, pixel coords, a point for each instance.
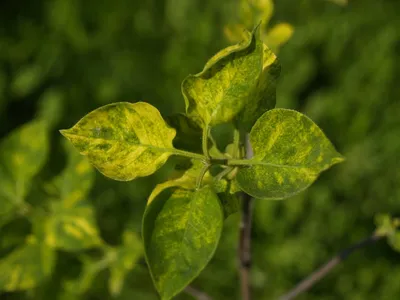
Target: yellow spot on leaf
{"type": "Point", "coordinates": [73, 231]}
{"type": "Point", "coordinates": [82, 167]}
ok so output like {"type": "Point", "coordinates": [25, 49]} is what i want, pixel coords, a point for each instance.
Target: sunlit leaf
{"type": "Point", "coordinates": [72, 228]}
{"type": "Point", "coordinates": [187, 180]}
{"type": "Point", "coordinates": [123, 140]}
{"type": "Point", "coordinates": [27, 266]}
{"type": "Point", "coordinates": [264, 97]}
{"type": "Point", "coordinates": [126, 256]}
{"type": "Point", "coordinates": [181, 230]}
{"type": "Point", "coordinates": [218, 93]}
{"type": "Point", "coordinates": [289, 153]}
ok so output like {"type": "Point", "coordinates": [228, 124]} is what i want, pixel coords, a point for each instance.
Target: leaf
{"type": "Point", "coordinates": [218, 93]}
{"type": "Point", "coordinates": [230, 203]}
{"type": "Point", "coordinates": [394, 241]}
{"type": "Point", "coordinates": [27, 266]}
{"type": "Point", "coordinates": [76, 180]}
{"type": "Point", "coordinates": [51, 106]}
{"type": "Point", "coordinates": [289, 153]}
{"type": "Point", "coordinates": [181, 230]}
{"type": "Point", "coordinates": [264, 97]}
{"type": "Point", "coordinates": [187, 180]}
{"type": "Point", "coordinates": [21, 158]}
{"type": "Point", "coordinates": [72, 228]}
{"type": "Point", "coordinates": [279, 35]}
{"type": "Point", "coordinates": [123, 140]}
{"type": "Point", "coordinates": [126, 257]}
{"type": "Point", "coordinates": [26, 80]}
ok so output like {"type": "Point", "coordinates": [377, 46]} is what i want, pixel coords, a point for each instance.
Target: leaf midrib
{"type": "Point", "coordinates": [172, 150]}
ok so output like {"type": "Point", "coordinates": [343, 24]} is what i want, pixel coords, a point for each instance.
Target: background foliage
{"type": "Point", "coordinates": [61, 59]}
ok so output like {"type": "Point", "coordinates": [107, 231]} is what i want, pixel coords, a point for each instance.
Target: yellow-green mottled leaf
{"type": "Point", "coordinates": [181, 230]}
{"type": "Point", "coordinates": [75, 181]}
{"type": "Point", "coordinates": [278, 35]}
{"type": "Point", "coordinates": [388, 226]}
{"type": "Point", "coordinates": [124, 140]}
{"type": "Point", "coordinates": [126, 257]}
{"type": "Point", "coordinates": [289, 153]}
{"type": "Point", "coordinates": [222, 89]}
{"type": "Point", "coordinates": [264, 97]}
{"type": "Point", "coordinates": [27, 266]}
{"type": "Point", "coordinates": [72, 228]}
{"type": "Point", "coordinates": [187, 180]}
{"type": "Point", "coordinates": [394, 241]}
{"type": "Point", "coordinates": [22, 154]}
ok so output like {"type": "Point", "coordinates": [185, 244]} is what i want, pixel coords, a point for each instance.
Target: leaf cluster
{"type": "Point", "coordinates": [183, 220]}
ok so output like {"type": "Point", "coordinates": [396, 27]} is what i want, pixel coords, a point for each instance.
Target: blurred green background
{"type": "Point", "coordinates": [61, 59]}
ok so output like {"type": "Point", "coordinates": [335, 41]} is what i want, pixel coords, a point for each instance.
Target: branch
{"type": "Point", "coordinates": [195, 293]}
{"type": "Point", "coordinates": [320, 273]}
{"type": "Point", "coordinates": [244, 249]}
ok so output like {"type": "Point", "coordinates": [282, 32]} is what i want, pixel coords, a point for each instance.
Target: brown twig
{"type": "Point", "coordinates": [197, 294]}
{"type": "Point", "coordinates": [320, 273]}
{"type": "Point", "coordinates": [244, 249]}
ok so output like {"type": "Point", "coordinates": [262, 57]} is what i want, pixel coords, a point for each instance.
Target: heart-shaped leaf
{"type": "Point", "coordinates": [289, 153]}
{"type": "Point", "coordinates": [181, 230]}
{"type": "Point", "coordinates": [124, 140]}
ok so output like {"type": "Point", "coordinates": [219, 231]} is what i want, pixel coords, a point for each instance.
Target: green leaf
{"type": "Point", "coordinates": [126, 257]}
{"type": "Point", "coordinates": [124, 140]}
{"type": "Point", "coordinates": [181, 230]}
{"type": "Point", "coordinates": [51, 106]}
{"type": "Point", "coordinates": [76, 180]}
{"type": "Point", "coordinates": [289, 153]}
{"type": "Point", "coordinates": [26, 80]}
{"type": "Point", "coordinates": [21, 158]}
{"type": "Point", "coordinates": [264, 97]}
{"type": "Point", "coordinates": [394, 241]}
{"type": "Point", "coordinates": [230, 202]}
{"type": "Point", "coordinates": [185, 180]}
{"type": "Point", "coordinates": [72, 228]}
{"type": "Point", "coordinates": [27, 266]}
{"type": "Point", "coordinates": [218, 93]}
{"type": "Point", "coordinates": [279, 35]}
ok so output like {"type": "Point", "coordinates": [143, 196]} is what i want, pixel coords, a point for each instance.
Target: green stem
{"type": "Point", "coordinates": [189, 154]}
{"type": "Point", "coordinates": [201, 175]}
{"type": "Point", "coordinates": [236, 142]}
{"type": "Point", "coordinates": [238, 162]}
{"type": "Point", "coordinates": [223, 173]}
{"type": "Point", "coordinates": [206, 132]}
